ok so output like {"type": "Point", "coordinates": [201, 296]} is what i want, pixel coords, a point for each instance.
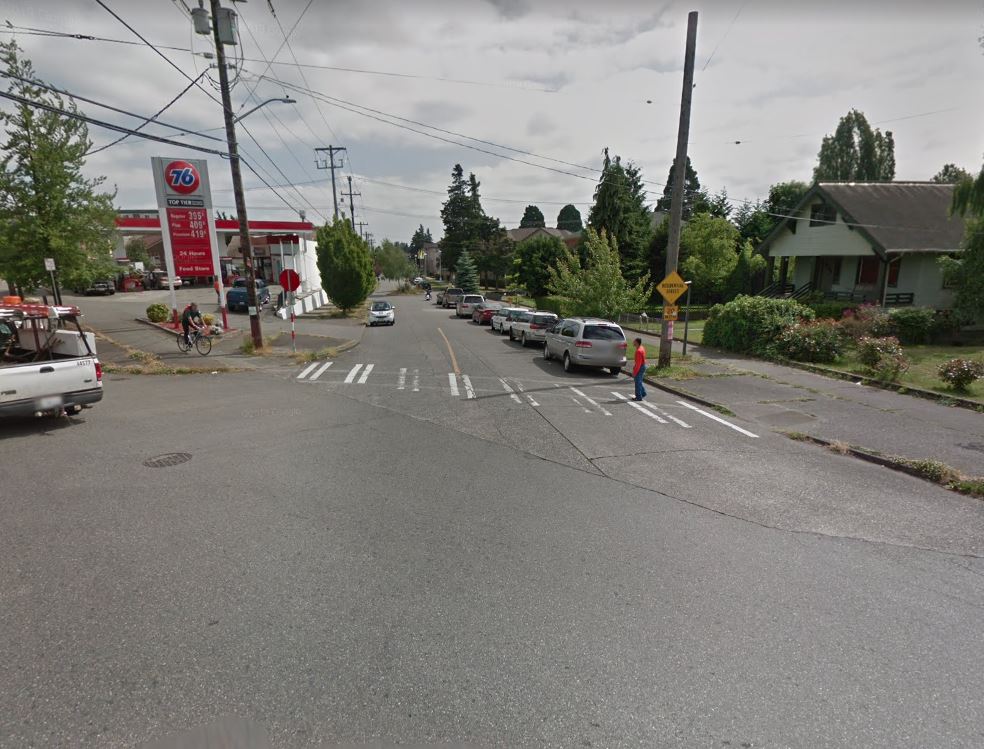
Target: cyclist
{"type": "Point", "coordinates": [188, 318]}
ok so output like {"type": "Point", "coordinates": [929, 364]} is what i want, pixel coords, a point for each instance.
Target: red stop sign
{"type": "Point", "coordinates": [289, 279]}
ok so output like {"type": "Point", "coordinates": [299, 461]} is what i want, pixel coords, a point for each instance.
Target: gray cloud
{"type": "Point", "coordinates": [511, 9]}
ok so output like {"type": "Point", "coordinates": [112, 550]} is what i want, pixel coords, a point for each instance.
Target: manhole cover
{"type": "Point", "coordinates": [168, 459]}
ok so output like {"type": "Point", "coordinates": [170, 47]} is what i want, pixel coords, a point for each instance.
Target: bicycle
{"type": "Point", "coordinates": [201, 342]}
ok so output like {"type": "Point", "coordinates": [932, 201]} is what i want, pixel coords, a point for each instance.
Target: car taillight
{"type": "Point", "coordinates": [582, 344]}
{"type": "Point", "coordinates": [536, 326]}
{"type": "Point", "coordinates": [99, 371]}
{"type": "Point", "coordinates": [622, 346]}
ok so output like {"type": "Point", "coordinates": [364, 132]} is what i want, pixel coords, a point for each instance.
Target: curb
{"type": "Point", "coordinates": [942, 398]}
{"type": "Point", "coordinates": [682, 393]}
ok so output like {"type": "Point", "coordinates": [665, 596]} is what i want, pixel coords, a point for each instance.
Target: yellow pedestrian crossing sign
{"type": "Point", "coordinates": [671, 312]}
{"type": "Point", "coordinates": [672, 287]}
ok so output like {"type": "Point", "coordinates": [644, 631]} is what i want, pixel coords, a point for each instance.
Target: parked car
{"type": "Point", "coordinates": [532, 327]}
{"type": "Point", "coordinates": [521, 313]}
{"type": "Point", "coordinates": [499, 317]}
{"type": "Point", "coordinates": [450, 297]}
{"type": "Point", "coordinates": [236, 297]}
{"type": "Point", "coordinates": [158, 280]}
{"type": "Point", "coordinates": [586, 342]}
{"type": "Point", "coordinates": [104, 287]}
{"type": "Point", "coordinates": [381, 313]}
{"type": "Point", "coordinates": [467, 304]}
{"type": "Point", "coordinates": [483, 312]}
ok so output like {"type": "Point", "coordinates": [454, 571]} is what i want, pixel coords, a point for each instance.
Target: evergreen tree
{"type": "Point", "coordinates": [456, 213]}
{"type": "Point", "coordinates": [692, 195]}
{"type": "Point", "coordinates": [47, 207]}
{"type": "Point", "coordinates": [569, 219]}
{"type": "Point", "coordinates": [532, 218]}
{"type": "Point", "coordinates": [421, 236]}
{"type": "Point", "coordinates": [856, 153]}
{"type": "Point", "coordinates": [466, 273]}
{"type": "Point", "coordinates": [532, 262]}
{"type": "Point", "coordinates": [345, 264]}
{"type": "Point", "coordinates": [620, 210]}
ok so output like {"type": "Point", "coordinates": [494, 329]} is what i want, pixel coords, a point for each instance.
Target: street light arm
{"type": "Point", "coordinates": [282, 100]}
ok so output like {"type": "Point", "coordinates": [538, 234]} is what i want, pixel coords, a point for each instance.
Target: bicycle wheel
{"type": "Point", "coordinates": [203, 344]}
{"type": "Point", "coordinates": [183, 344]}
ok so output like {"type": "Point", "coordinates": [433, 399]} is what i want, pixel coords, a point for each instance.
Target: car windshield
{"type": "Point", "coordinates": [602, 333]}
{"type": "Point", "coordinates": [239, 283]}
{"type": "Point", "coordinates": [472, 299]}
{"type": "Point", "coordinates": [544, 319]}
{"type": "Point", "coordinates": [380, 306]}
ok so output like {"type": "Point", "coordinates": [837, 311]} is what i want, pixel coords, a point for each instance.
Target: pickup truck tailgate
{"type": "Point", "coordinates": [46, 385]}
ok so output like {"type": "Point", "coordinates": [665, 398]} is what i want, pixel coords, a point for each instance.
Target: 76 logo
{"type": "Point", "coordinates": [182, 177]}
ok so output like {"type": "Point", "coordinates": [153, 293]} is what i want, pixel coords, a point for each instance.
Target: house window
{"type": "Point", "coordinates": [822, 214]}
{"type": "Point", "coordinates": [893, 273]}
{"type": "Point", "coordinates": [867, 271]}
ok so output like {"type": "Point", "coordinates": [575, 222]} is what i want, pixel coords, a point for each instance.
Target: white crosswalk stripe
{"type": "Point", "coordinates": [307, 370]}
{"type": "Point", "coordinates": [508, 389]}
{"type": "Point", "coordinates": [520, 388]}
{"type": "Point", "coordinates": [415, 386]}
{"type": "Point", "coordinates": [640, 409]}
{"type": "Point", "coordinates": [352, 373]}
{"type": "Point", "coordinates": [592, 402]}
{"type": "Point", "coordinates": [321, 370]}
{"type": "Point", "coordinates": [469, 390]}
{"type": "Point", "coordinates": [669, 416]}
{"type": "Point", "coordinates": [718, 419]}
{"type": "Point", "coordinates": [365, 373]}
{"type": "Point", "coordinates": [453, 383]}
{"type": "Point", "coordinates": [401, 380]}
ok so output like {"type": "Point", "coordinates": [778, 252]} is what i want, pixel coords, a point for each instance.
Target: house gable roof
{"type": "Point", "coordinates": [518, 235]}
{"type": "Point", "coordinates": [895, 217]}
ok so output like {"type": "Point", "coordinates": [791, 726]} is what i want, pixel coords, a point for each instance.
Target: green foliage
{"type": "Point", "coordinates": [494, 254]}
{"type": "Point", "coordinates": [832, 310]}
{"type": "Point", "coordinates": [707, 248]}
{"type": "Point", "coordinates": [555, 304]}
{"type": "Point", "coordinates": [569, 218]}
{"type": "Point", "coordinates": [532, 262]}
{"type": "Point", "coordinates": [345, 265]}
{"type": "Point", "coordinates": [951, 174]}
{"type": "Point", "coordinates": [136, 252]}
{"type": "Point", "coordinates": [393, 261]}
{"type": "Point", "coordinates": [47, 207]}
{"type": "Point", "coordinates": [691, 191]}
{"type": "Point", "coordinates": [532, 218]}
{"type": "Point", "coordinates": [466, 274]}
{"type": "Point", "coordinates": [968, 196]}
{"type": "Point", "coordinates": [421, 236]}
{"type": "Point", "coordinates": [966, 272]}
{"type": "Point", "coordinates": [749, 270]}
{"type": "Point", "coordinates": [867, 320]}
{"type": "Point", "coordinates": [158, 312]}
{"type": "Point", "coordinates": [856, 153]}
{"type": "Point", "coordinates": [749, 324]}
{"type": "Point", "coordinates": [882, 357]}
{"type": "Point", "coordinates": [820, 341]}
{"type": "Point", "coordinates": [95, 269]}
{"type": "Point", "coordinates": [596, 287]}
{"type": "Point", "coordinates": [961, 373]}
{"type": "Point", "coordinates": [620, 211]}
{"type": "Point", "coordinates": [913, 325]}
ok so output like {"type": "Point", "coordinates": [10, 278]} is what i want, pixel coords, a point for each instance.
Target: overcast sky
{"type": "Point", "coordinates": [560, 80]}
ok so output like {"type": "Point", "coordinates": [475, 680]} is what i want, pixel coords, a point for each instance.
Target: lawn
{"type": "Point", "coordinates": [695, 331]}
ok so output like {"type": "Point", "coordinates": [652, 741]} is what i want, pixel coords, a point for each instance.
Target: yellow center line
{"type": "Point", "coordinates": [454, 361]}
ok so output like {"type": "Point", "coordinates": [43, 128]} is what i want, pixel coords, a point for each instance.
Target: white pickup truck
{"type": "Point", "coordinates": [48, 364]}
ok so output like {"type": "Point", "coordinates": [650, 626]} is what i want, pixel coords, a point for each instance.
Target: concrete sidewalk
{"type": "Point", "coordinates": [789, 399]}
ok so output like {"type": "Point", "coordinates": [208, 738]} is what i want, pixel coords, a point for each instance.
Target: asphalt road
{"type": "Point", "coordinates": [348, 558]}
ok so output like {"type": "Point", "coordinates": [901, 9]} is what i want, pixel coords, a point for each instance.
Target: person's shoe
{"type": "Point", "coordinates": [637, 399]}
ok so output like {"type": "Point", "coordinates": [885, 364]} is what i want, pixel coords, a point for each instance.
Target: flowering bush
{"type": "Point", "coordinates": [882, 357]}
{"type": "Point", "coordinates": [960, 373]}
{"type": "Point", "coordinates": [817, 341]}
{"type": "Point", "coordinates": [867, 320]}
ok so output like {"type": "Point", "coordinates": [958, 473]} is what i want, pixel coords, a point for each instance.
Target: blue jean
{"type": "Point", "coordinates": [640, 389]}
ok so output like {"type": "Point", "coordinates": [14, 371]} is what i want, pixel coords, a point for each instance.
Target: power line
{"type": "Point", "coordinates": [721, 40]}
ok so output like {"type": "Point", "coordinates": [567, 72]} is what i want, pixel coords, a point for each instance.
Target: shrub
{"type": "Point", "coordinates": [882, 357]}
{"type": "Point", "coordinates": [945, 325]}
{"type": "Point", "coordinates": [817, 341]}
{"type": "Point", "coordinates": [553, 304]}
{"type": "Point", "coordinates": [832, 310]}
{"type": "Point", "coordinates": [158, 312]}
{"type": "Point", "coordinates": [868, 320]}
{"type": "Point", "coordinates": [751, 323]}
{"type": "Point", "coordinates": [960, 373]}
{"type": "Point", "coordinates": [914, 325]}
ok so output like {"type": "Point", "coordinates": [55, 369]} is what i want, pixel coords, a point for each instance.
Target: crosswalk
{"type": "Point", "coordinates": [587, 397]}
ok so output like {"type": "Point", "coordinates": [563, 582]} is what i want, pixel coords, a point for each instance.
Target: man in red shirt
{"type": "Point", "coordinates": [639, 370]}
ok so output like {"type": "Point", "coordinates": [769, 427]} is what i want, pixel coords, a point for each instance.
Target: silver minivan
{"type": "Point", "coordinates": [586, 342]}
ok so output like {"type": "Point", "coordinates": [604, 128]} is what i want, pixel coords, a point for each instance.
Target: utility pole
{"type": "Point", "coordinates": [362, 232]}
{"type": "Point", "coordinates": [237, 178]}
{"type": "Point", "coordinates": [351, 204]}
{"type": "Point", "coordinates": [330, 164]}
{"type": "Point", "coordinates": [679, 173]}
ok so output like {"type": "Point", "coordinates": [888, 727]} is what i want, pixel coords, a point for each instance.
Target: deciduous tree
{"type": "Point", "coordinates": [966, 272]}
{"type": "Point", "coordinates": [950, 174]}
{"type": "Point", "coordinates": [48, 208]}
{"type": "Point", "coordinates": [707, 249]}
{"type": "Point", "coordinates": [856, 153]}
{"type": "Point", "coordinates": [532, 262]}
{"type": "Point", "coordinates": [393, 262]}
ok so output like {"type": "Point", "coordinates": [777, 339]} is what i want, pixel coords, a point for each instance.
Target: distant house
{"type": "Point", "coordinates": [873, 242]}
{"type": "Point", "coordinates": [570, 238]}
